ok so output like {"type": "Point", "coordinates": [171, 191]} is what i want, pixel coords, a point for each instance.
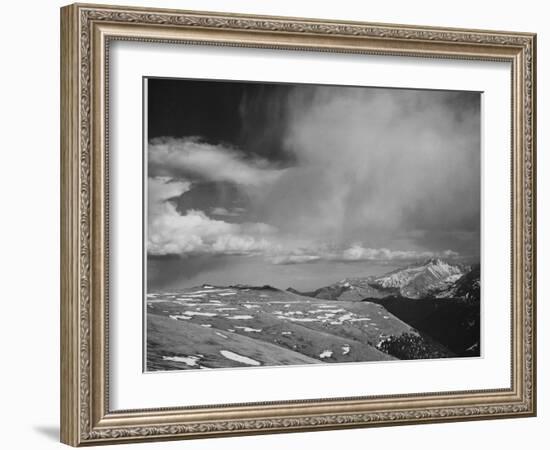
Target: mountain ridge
{"type": "Point", "coordinates": [431, 278]}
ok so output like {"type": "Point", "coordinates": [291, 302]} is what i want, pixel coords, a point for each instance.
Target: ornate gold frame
{"type": "Point", "coordinates": [86, 31]}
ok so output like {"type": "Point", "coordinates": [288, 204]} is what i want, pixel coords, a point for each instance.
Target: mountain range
{"type": "Point", "coordinates": [433, 278]}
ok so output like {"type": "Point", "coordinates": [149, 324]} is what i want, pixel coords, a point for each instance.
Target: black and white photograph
{"type": "Point", "coordinates": [293, 224]}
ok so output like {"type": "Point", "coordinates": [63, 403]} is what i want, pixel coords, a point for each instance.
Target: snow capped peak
{"type": "Point", "coordinates": [418, 279]}
{"type": "Point", "coordinates": [431, 278]}
{"type": "Point", "coordinates": [436, 261]}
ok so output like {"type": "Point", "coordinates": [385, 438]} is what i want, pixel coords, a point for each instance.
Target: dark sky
{"type": "Point", "coordinates": [234, 113]}
{"type": "Point", "coordinates": [294, 185]}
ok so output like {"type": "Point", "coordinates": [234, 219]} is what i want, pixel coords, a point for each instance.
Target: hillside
{"type": "Point", "coordinates": [196, 328]}
{"type": "Point", "coordinates": [354, 320]}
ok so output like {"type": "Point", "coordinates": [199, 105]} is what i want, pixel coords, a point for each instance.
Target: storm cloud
{"type": "Point", "coordinates": [382, 167]}
{"type": "Point", "coordinates": [322, 173]}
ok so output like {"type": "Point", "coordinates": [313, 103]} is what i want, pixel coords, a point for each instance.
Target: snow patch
{"type": "Point", "coordinates": [345, 317]}
{"type": "Point", "coordinates": [179, 317]}
{"type": "Point", "coordinates": [191, 361]}
{"type": "Point", "coordinates": [205, 291]}
{"type": "Point", "coordinates": [239, 358]}
{"type": "Point", "coordinates": [249, 330]}
{"type": "Point", "coordinates": [298, 319]}
{"type": "Point", "coordinates": [196, 313]}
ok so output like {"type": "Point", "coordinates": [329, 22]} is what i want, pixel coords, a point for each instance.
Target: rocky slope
{"type": "Point", "coordinates": [449, 312]}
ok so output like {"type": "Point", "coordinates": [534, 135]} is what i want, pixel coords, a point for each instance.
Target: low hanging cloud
{"type": "Point", "coordinates": [189, 158]}
{"type": "Point", "coordinates": [172, 233]}
{"type": "Point", "coordinates": [358, 253]}
{"type": "Point", "coordinates": [294, 259]}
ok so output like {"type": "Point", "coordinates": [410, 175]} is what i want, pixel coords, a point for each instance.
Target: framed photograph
{"type": "Point", "coordinates": [276, 224]}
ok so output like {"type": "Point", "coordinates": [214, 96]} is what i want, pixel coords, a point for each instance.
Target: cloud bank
{"type": "Point", "coordinates": [358, 253]}
{"type": "Point", "coordinates": [190, 158]}
{"type": "Point", "coordinates": [172, 233]}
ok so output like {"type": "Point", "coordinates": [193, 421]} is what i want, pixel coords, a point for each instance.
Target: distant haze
{"type": "Point", "coordinates": [302, 185]}
{"type": "Point", "coordinates": [229, 270]}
